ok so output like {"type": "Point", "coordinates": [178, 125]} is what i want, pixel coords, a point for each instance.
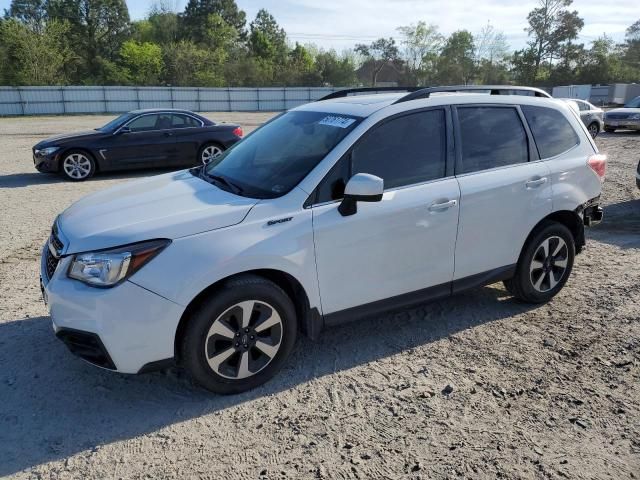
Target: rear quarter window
{"type": "Point", "coordinates": [551, 130]}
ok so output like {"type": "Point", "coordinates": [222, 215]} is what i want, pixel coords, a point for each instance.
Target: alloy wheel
{"type": "Point", "coordinates": [244, 339]}
{"type": "Point", "coordinates": [549, 264]}
{"type": "Point", "coordinates": [77, 166]}
{"type": "Point", "coordinates": [593, 130]}
{"type": "Point", "coordinates": [209, 153]}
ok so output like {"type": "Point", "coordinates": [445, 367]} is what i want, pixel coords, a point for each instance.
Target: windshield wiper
{"type": "Point", "coordinates": [221, 180]}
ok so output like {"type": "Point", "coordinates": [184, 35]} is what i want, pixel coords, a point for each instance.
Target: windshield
{"type": "Point", "coordinates": [635, 103]}
{"type": "Point", "coordinates": [276, 157]}
{"type": "Point", "coordinates": [115, 123]}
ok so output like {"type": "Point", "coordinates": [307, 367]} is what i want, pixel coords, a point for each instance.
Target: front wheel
{"type": "Point", "coordinates": [77, 166]}
{"type": "Point", "coordinates": [594, 129]}
{"type": "Point", "coordinates": [240, 337]}
{"type": "Point", "coordinates": [544, 265]}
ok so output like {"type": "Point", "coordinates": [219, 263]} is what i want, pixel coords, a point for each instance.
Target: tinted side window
{"type": "Point", "coordinates": [551, 131]}
{"type": "Point", "coordinates": [491, 137]}
{"type": "Point", "coordinates": [184, 121]}
{"type": "Point", "coordinates": [404, 150]}
{"type": "Point", "coordinates": [143, 123]}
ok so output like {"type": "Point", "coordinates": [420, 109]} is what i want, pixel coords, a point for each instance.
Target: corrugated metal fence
{"type": "Point", "coordinates": [62, 100]}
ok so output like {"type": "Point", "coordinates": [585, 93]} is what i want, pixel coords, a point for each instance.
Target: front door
{"type": "Point", "coordinates": [402, 245]}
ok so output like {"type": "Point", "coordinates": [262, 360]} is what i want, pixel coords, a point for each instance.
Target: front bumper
{"type": "Point", "coordinates": [123, 328]}
{"type": "Point", "coordinates": [622, 124]}
{"type": "Point", "coordinates": [46, 163]}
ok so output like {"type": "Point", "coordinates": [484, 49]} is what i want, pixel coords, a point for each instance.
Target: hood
{"type": "Point", "coordinates": [62, 139]}
{"type": "Point", "coordinates": [165, 206]}
{"type": "Point", "coordinates": [627, 111]}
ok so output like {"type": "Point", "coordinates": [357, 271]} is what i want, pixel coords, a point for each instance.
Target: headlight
{"type": "Point", "coordinates": [107, 268]}
{"type": "Point", "coordinates": [47, 151]}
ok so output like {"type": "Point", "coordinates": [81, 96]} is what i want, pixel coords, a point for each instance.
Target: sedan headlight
{"type": "Point", "coordinates": [107, 268]}
{"type": "Point", "coordinates": [47, 151]}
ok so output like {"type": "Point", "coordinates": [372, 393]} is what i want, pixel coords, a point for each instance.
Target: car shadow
{"type": "Point", "coordinates": [54, 405]}
{"type": "Point", "coordinates": [620, 225]}
{"type": "Point", "coordinates": [19, 180]}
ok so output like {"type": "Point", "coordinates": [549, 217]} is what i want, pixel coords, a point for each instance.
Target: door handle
{"type": "Point", "coordinates": [168, 134]}
{"type": "Point", "coordinates": [536, 182]}
{"type": "Point", "coordinates": [439, 207]}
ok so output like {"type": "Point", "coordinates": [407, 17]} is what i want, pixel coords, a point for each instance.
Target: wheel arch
{"type": "Point", "coordinates": [309, 319]}
{"type": "Point", "coordinates": [569, 219]}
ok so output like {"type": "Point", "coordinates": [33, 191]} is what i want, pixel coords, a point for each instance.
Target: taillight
{"type": "Point", "coordinates": [598, 164]}
{"type": "Point", "coordinates": [238, 132]}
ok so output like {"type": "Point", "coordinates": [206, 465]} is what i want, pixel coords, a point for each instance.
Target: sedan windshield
{"type": "Point", "coordinates": [276, 157]}
{"type": "Point", "coordinates": [115, 123]}
{"type": "Point", "coordinates": [635, 103]}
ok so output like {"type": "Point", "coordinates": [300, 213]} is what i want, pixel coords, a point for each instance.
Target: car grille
{"type": "Point", "coordinates": [617, 116]}
{"type": "Point", "coordinates": [52, 259]}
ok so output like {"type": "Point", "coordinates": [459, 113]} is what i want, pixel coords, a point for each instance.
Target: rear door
{"type": "Point", "coordinates": [148, 143]}
{"type": "Point", "coordinates": [505, 190]}
{"type": "Point", "coordinates": [403, 244]}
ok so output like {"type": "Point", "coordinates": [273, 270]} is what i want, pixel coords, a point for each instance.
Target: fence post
{"type": "Point", "coordinates": [258, 97]}
{"type": "Point", "coordinates": [138, 96]}
{"type": "Point", "coordinates": [104, 98]}
{"type": "Point", "coordinates": [64, 106]}
{"type": "Point", "coordinates": [171, 93]}
{"type": "Point", "coordinates": [198, 99]}
{"type": "Point", "coordinates": [21, 101]}
{"type": "Point", "coordinates": [284, 98]}
{"type": "Point", "coordinates": [228, 99]}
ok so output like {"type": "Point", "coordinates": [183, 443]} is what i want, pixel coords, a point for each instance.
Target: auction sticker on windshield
{"type": "Point", "coordinates": [334, 121]}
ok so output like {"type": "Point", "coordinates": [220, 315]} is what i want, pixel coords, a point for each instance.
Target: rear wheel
{"type": "Point", "coordinates": [210, 151]}
{"type": "Point", "coordinates": [544, 265]}
{"type": "Point", "coordinates": [594, 129]}
{"type": "Point", "coordinates": [77, 165]}
{"type": "Point", "coordinates": [241, 337]}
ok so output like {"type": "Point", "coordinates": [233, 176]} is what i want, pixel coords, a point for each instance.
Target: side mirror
{"type": "Point", "coordinates": [362, 187]}
{"type": "Point", "coordinates": [124, 130]}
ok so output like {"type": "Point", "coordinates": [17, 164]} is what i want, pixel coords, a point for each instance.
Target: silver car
{"type": "Point", "coordinates": [625, 118]}
{"type": "Point", "coordinates": [591, 116]}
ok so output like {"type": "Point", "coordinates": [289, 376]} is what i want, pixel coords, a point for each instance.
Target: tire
{"type": "Point", "coordinates": [539, 282]}
{"type": "Point", "coordinates": [609, 129]}
{"type": "Point", "coordinates": [77, 165]}
{"type": "Point", "coordinates": [209, 151]}
{"type": "Point", "coordinates": [215, 344]}
{"type": "Point", "coordinates": [594, 129]}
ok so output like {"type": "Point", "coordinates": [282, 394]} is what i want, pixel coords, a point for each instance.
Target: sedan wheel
{"type": "Point", "coordinates": [593, 130]}
{"type": "Point", "coordinates": [77, 166]}
{"type": "Point", "coordinates": [209, 153]}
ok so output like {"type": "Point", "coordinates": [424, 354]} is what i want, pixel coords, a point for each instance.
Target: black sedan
{"type": "Point", "coordinates": [138, 139]}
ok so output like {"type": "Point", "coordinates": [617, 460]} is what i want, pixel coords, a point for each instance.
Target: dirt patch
{"type": "Point", "coordinates": [475, 386]}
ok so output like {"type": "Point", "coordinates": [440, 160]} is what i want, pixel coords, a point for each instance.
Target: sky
{"type": "Point", "coordinates": [341, 24]}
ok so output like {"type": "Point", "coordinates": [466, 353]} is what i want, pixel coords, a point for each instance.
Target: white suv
{"type": "Point", "coordinates": [333, 211]}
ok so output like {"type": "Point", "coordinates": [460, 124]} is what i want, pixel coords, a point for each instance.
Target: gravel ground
{"type": "Point", "coordinates": [476, 386]}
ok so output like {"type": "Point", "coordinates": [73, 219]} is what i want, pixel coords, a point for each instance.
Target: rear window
{"type": "Point", "coordinates": [551, 130]}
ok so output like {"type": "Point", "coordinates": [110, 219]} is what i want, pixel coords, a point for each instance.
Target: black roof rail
{"type": "Point", "coordinates": [493, 90]}
{"type": "Point", "coordinates": [347, 91]}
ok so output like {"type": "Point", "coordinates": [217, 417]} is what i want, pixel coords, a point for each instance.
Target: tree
{"type": "Point", "coordinates": [491, 53]}
{"type": "Point", "coordinates": [457, 61]}
{"type": "Point", "coordinates": [335, 71]}
{"type": "Point", "coordinates": [267, 39]}
{"type": "Point", "coordinates": [197, 12]}
{"type": "Point", "coordinates": [30, 12]}
{"type": "Point", "coordinates": [550, 26]}
{"type": "Point", "coordinates": [380, 53]}
{"type": "Point", "coordinates": [36, 58]}
{"type": "Point", "coordinates": [422, 44]}
{"type": "Point", "coordinates": [187, 64]}
{"type": "Point", "coordinates": [142, 62]}
{"type": "Point", "coordinates": [97, 28]}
